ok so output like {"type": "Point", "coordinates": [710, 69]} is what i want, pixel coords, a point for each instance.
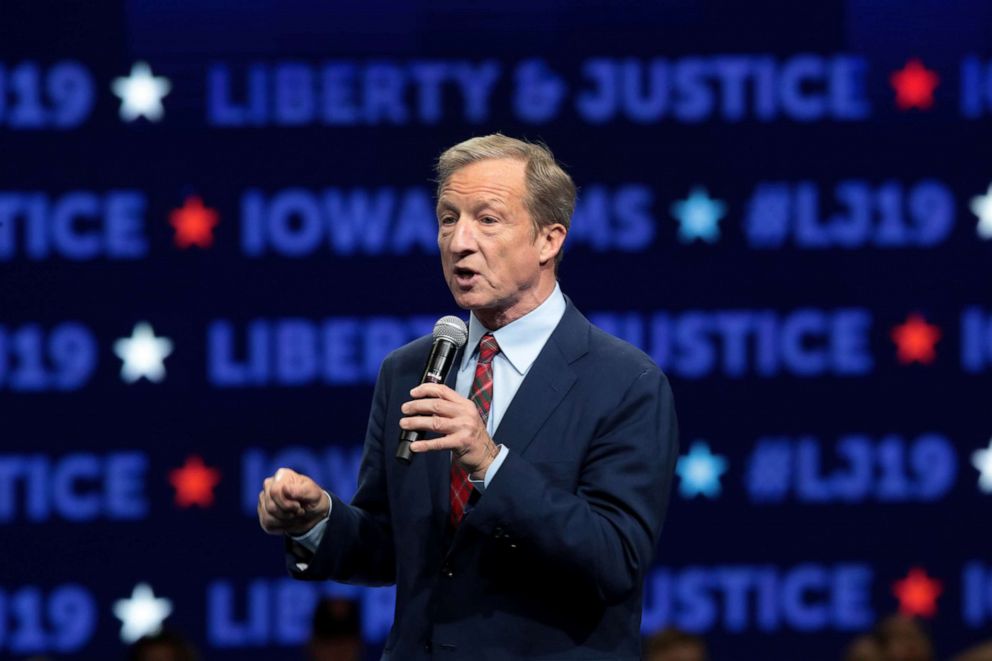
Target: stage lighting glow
{"type": "Point", "coordinates": [698, 216]}
{"type": "Point", "coordinates": [982, 460]}
{"type": "Point", "coordinates": [143, 354]}
{"type": "Point", "coordinates": [700, 470]}
{"type": "Point", "coordinates": [917, 593]}
{"type": "Point", "coordinates": [141, 93]}
{"type": "Point", "coordinates": [981, 206]}
{"type": "Point", "coordinates": [142, 614]}
{"type": "Point", "coordinates": [916, 340]}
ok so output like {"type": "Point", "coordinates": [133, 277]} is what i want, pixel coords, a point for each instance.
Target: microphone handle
{"type": "Point", "coordinates": [435, 371]}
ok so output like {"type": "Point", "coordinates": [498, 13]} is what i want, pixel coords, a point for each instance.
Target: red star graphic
{"type": "Point", "coordinates": [194, 223]}
{"type": "Point", "coordinates": [914, 85]}
{"type": "Point", "coordinates": [915, 340]}
{"type": "Point", "coordinates": [917, 593]}
{"type": "Point", "coordinates": [194, 483]}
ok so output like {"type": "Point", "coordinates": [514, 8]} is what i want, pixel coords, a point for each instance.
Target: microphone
{"type": "Point", "coordinates": [450, 334]}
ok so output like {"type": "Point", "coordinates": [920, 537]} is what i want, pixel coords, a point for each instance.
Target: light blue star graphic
{"type": "Point", "coordinates": [700, 471]}
{"type": "Point", "coordinates": [698, 216]}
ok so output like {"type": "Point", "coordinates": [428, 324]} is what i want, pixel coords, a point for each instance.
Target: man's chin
{"type": "Point", "coordinates": [472, 301]}
{"type": "Point", "coordinates": [468, 302]}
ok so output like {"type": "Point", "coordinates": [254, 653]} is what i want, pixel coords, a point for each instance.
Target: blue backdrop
{"type": "Point", "coordinates": [216, 218]}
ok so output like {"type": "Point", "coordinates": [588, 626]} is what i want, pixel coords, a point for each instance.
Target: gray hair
{"type": "Point", "coordinates": [550, 192]}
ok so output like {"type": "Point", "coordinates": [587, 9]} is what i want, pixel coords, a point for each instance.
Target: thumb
{"type": "Point", "coordinates": [311, 497]}
{"type": "Point", "coordinates": [301, 489]}
{"type": "Point", "coordinates": [285, 475]}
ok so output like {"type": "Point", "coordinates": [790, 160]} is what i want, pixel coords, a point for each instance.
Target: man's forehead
{"type": "Point", "coordinates": [451, 200]}
{"type": "Point", "coordinates": [493, 180]}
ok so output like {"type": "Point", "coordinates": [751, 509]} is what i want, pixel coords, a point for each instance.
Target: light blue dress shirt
{"type": "Point", "coordinates": [519, 342]}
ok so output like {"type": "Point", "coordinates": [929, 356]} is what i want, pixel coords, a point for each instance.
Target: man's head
{"type": "Point", "coordinates": [674, 645]}
{"type": "Point", "coordinates": [504, 208]}
{"type": "Point", "coordinates": [903, 638]}
{"type": "Point", "coordinates": [163, 646]}
{"type": "Point", "coordinates": [337, 631]}
{"type": "Point", "coordinates": [864, 648]}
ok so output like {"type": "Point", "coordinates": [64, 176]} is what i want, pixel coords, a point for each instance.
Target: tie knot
{"type": "Point", "coordinates": [488, 348]}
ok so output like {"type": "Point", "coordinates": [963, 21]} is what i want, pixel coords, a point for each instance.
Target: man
{"type": "Point", "coordinates": [673, 644]}
{"type": "Point", "coordinates": [162, 646]}
{"type": "Point", "coordinates": [903, 638]}
{"type": "Point", "coordinates": [525, 526]}
{"type": "Point", "coordinates": [336, 634]}
{"type": "Point", "coordinates": [863, 648]}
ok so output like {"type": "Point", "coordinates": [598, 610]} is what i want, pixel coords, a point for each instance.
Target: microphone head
{"type": "Point", "coordinates": [451, 328]}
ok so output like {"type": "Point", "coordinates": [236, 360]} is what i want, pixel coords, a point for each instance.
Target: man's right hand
{"type": "Point", "coordinates": [291, 503]}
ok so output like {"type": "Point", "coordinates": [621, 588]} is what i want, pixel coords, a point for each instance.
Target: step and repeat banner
{"type": "Point", "coordinates": [217, 218]}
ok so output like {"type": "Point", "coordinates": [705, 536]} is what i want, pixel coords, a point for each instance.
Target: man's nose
{"type": "Point", "coordinates": [462, 236]}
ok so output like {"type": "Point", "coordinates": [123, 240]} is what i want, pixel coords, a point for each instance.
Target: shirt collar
{"type": "Point", "coordinates": [520, 341]}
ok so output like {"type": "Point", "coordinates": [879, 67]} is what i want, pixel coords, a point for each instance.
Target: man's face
{"type": "Point", "coordinates": [491, 257]}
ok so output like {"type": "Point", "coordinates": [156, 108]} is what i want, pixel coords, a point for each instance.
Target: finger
{"type": "Point", "coordinates": [432, 423]}
{"type": "Point", "coordinates": [443, 443]}
{"type": "Point", "coordinates": [279, 513]}
{"type": "Point", "coordinates": [431, 406]}
{"type": "Point", "coordinates": [277, 494]}
{"type": "Point", "coordinates": [438, 390]}
{"type": "Point", "coordinates": [267, 521]}
{"type": "Point", "coordinates": [304, 492]}
{"type": "Point", "coordinates": [284, 474]}
{"type": "Point", "coordinates": [289, 487]}
{"type": "Point", "coordinates": [263, 520]}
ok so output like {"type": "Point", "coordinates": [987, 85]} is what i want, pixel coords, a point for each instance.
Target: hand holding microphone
{"type": "Point", "coordinates": [450, 334]}
{"type": "Point", "coordinates": [439, 409]}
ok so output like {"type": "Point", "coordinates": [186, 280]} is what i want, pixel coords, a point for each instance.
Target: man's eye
{"type": "Point", "coordinates": [446, 220]}
{"type": "Point", "coordinates": [488, 220]}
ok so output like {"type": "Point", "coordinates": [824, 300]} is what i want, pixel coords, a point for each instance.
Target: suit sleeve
{"type": "Point", "coordinates": [357, 544]}
{"type": "Point", "coordinates": [605, 532]}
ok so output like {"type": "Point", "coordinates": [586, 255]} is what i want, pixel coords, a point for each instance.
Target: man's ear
{"type": "Point", "coordinates": [552, 238]}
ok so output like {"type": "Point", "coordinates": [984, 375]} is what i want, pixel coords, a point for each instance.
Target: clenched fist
{"type": "Point", "coordinates": [291, 503]}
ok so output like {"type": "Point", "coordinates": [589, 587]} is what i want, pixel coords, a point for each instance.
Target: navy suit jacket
{"type": "Point", "coordinates": [550, 562]}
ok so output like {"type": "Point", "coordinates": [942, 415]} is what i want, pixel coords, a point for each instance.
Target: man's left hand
{"type": "Point", "coordinates": [437, 408]}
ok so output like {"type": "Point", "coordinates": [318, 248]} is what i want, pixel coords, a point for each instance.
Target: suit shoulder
{"type": "Point", "coordinates": [412, 353]}
{"type": "Point", "coordinates": [619, 355]}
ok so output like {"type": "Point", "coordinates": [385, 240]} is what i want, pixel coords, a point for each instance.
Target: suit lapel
{"type": "Point", "coordinates": [542, 391]}
{"type": "Point", "coordinates": [546, 384]}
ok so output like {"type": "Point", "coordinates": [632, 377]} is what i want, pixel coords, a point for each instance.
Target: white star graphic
{"type": "Point", "coordinates": [982, 460]}
{"type": "Point", "coordinates": [981, 206]}
{"type": "Point", "coordinates": [698, 216]}
{"type": "Point", "coordinates": [700, 471]}
{"type": "Point", "coordinates": [143, 354]}
{"type": "Point", "coordinates": [142, 614]}
{"type": "Point", "coordinates": [141, 93]}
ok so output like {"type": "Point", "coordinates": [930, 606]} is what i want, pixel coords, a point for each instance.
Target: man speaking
{"type": "Point", "coordinates": [525, 523]}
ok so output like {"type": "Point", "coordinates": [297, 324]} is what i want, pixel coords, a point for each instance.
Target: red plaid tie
{"type": "Point", "coordinates": [482, 394]}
